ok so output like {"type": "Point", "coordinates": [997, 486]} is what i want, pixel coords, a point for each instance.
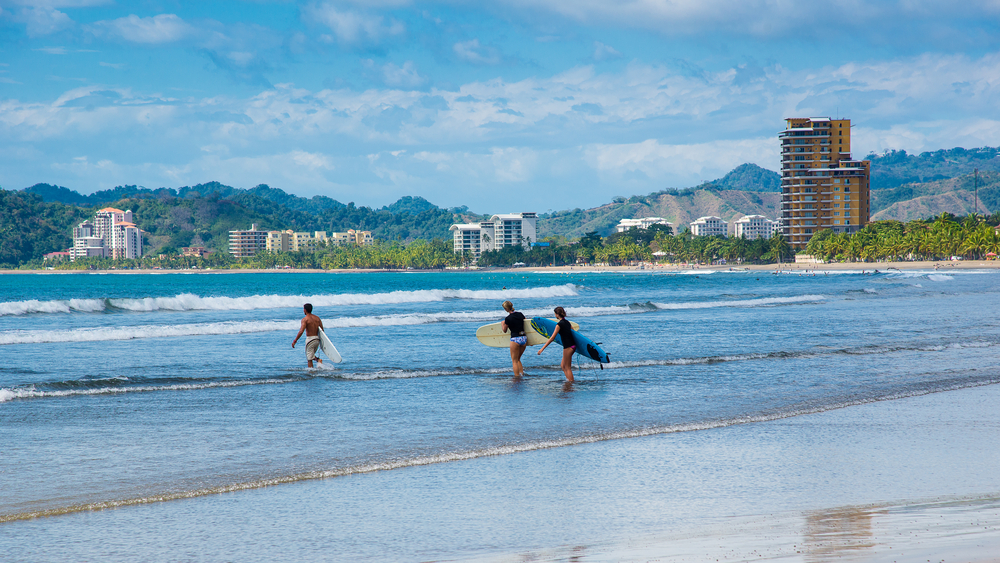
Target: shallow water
{"type": "Point", "coordinates": [118, 390]}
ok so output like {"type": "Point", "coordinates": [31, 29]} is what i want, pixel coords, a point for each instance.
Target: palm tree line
{"type": "Point", "coordinates": [971, 237]}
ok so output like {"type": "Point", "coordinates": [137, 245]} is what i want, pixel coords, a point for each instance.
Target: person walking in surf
{"type": "Point", "coordinates": [569, 343]}
{"type": "Point", "coordinates": [311, 324]}
{"type": "Point", "coordinates": [518, 337]}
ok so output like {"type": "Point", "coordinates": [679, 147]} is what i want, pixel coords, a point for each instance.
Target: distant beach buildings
{"type": "Point", "coordinates": [710, 226]}
{"type": "Point", "coordinates": [501, 231]}
{"type": "Point", "coordinates": [754, 227]}
{"type": "Point", "coordinates": [643, 223]}
{"type": "Point", "coordinates": [247, 243]}
{"type": "Point", "coordinates": [822, 187]}
{"type": "Point", "coordinates": [111, 234]}
{"type": "Point", "coordinates": [749, 226]}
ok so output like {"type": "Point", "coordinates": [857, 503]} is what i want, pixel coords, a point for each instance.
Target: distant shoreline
{"type": "Point", "coordinates": [792, 267]}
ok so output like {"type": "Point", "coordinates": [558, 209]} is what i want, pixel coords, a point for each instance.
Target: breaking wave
{"type": "Point", "coordinates": [761, 302]}
{"type": "Point", "coordinates": [191, 302]}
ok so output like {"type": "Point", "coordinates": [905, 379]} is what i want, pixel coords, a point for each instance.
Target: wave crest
{"type": "Point", "coordinates": [191, 302]}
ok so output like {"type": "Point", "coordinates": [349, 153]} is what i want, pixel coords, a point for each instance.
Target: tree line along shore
{"type": "Point", "coordinates": [974, 237]}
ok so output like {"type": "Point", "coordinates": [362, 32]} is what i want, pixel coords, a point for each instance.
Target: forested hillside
{"type": "Point", "coordinates": [199, 215]}
{"type": "Point", "coordinates": [893, 169]}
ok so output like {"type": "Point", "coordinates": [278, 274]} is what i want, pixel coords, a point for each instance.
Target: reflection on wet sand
{"type": "Point", "coordinates": [838, 531]}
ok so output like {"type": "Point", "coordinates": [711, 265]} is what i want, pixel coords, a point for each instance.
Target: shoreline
{"type": "Point", "coordinates": [788, 268]}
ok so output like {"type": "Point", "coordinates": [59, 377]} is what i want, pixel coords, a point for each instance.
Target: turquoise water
{"type": "Point", "coordinates": [180, 395]}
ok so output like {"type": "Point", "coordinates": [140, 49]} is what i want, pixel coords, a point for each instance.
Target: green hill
{"type": "Point", "coordinates": [40, 219]}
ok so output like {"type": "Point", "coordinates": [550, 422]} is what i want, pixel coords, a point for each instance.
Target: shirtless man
{"type": "Point", "coordinates": [311, 325]}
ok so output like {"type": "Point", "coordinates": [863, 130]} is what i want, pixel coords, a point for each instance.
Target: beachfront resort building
{"type": "Point", "coordinates": [248, 243]}
{"type": "Point", "coordinates": [643, 223]}
{"type": "Point", "coordinates": [822, 187]}
{"type": "Point", "coordinates": [709, 227]}
{"type": "Point", "coordinates": [111, 234]}
{"type": "Point", "coordinates": [501, 231]}
{"type": "Point", "coordinates": [753, 227]}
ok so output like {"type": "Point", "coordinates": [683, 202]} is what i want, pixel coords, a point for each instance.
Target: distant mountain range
{"type": "Point", "coordinates": [904, 187]}
{"type": "Point", "coordinates": [39, 219]}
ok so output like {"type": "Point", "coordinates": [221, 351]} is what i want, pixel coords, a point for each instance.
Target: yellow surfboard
{"type": "Point", "coordinates": [494, 337]}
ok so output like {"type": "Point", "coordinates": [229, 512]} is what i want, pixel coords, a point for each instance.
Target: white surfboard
{"type": "Point", "coordinates": [493, 335]}
{"type": "Point", "coordinates": [328, 348]}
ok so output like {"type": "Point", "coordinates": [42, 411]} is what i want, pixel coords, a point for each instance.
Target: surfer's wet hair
{"type": "Point", "coordinates": [560, 311]}
{"type": "Point", "coordinates": [507, 306]}
{"type": "Point", "coordinates": [308, 307]}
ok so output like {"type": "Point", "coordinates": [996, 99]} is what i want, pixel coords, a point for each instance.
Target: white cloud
{"type": "Point", "coordinates": [160, 29]}
{"type": "Point", "coordinates": [352, 27]}
{"type": "Point", "coordinates": [539, 139]}
{"type": "Point", "coordinates": [52, 50]}
{"type": "Point", "coordinates": [471, 51]}
{"type": "Point", "coordinates": [42, 20]}
{"type": "Point", "coordinates": [405, 76]}
{"type": "Point", "coordinates": [604, 52]}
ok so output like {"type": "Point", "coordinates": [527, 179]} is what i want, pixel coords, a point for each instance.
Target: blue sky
{"type": "Point", "coordinates": [503, 106]}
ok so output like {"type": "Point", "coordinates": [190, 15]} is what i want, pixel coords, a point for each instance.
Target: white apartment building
{"type": "Point", "coordinates": [501, 231]}
{"type": "Point", "coordinates": [112, 234]}
{"type": "Point", "coordinates": [247, 243]}
{"type": "Point", "coordinates": [709, 227]}
{"type": "Point", "coordinates": [290, 241]}
{"type": "Point", "coordinates": [753, 227]}
{"type": "Point", "coordinates": [643, 223]}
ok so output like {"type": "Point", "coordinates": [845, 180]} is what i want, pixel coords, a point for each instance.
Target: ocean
{"type": "Point", "coordinates": [166, 417]}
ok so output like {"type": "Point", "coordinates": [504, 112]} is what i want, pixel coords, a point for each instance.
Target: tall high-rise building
{"type": "Point", "coordinates": [822, 187]}
{"type": "Point", "coordinates": [112, 234]}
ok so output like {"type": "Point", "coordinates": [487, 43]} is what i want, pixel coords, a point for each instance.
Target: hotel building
{"type": "Point", "coordinates": [822, 187]}
{"type": "Point", "coordinates": [291, 241]}
{"type": "Point", "coordinates": [112, 234]}
{"type": "Point", "coordinates": [247, 243]}
{"type": "Point", "coordinates": [501, 231]}
{"type": "Point", "coordinates": [753, 227]}
{"type": "Point", "coordinates": [643, 223]}
{"type": "Point", "coordinates": [708, 227]}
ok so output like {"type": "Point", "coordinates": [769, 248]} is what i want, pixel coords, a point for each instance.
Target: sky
{"type": "Point", "coordinates": [503, 106]}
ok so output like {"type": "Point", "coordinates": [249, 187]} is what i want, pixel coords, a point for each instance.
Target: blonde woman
{"type": "Point", "coordinates": [518, 338]}
{"type": "Point", "coordinates": [569, 343]}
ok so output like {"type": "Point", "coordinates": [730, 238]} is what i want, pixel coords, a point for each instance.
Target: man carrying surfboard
{"type": "Point", "coordinates": [518, 337]}
{"type": "Point", "coordinates": [569, 343]}
{"type": "Point", "coordinates": [311, 324]}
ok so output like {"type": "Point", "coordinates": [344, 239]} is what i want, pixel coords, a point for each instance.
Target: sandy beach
{"type": "Point", "coordinates": [650, 267]}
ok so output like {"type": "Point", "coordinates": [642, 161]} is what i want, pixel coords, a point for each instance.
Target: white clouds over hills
{"type": "Point", "coordinates": [551, 104]}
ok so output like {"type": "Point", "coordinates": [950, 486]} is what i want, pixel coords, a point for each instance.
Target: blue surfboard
{"type": "Point", "coordinates": [584, 346]}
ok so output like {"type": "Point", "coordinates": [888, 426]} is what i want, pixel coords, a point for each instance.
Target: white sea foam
{"type": "Point", "coordinates": [57, 306]}
{"type": "Point", "coordinates": [250, 327]}
{"type": "Point", "coordinates": [939, 277]}
{"type": "Point", "coordinates": [761, 302]}
{"type": "Point", "coordinates": [189, 301]}
{"type": "Point", "coordinates": [31, 392]}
